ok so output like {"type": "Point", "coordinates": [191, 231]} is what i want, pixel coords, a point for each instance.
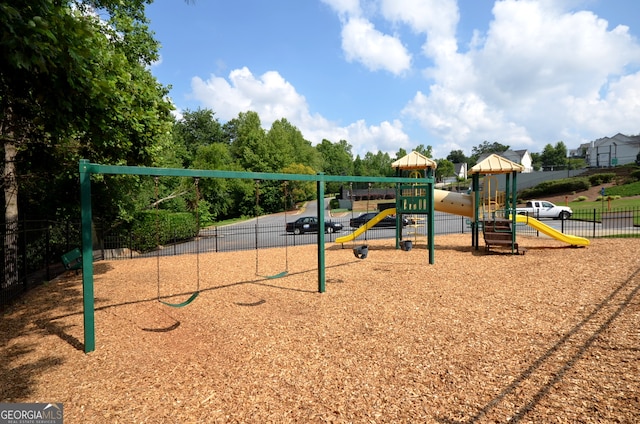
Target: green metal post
{"type": "Point", "coordinates": [514, 201]}
{"type": "Point", "coordinates": [431, 221]}
{"type": "Point", "coordinates": [507, 211]}
{"type": "Point", "coordinates": [398, 215]}
{"type": "Point", "coordinates": [475, 226]}
{"type": "Point", "coordinates": [321, 262]}
{"type": "Point", "coordinates": [87, 259]}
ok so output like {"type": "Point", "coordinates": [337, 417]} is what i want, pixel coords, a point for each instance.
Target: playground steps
{"type": "Point", "coordinates": [498, 233]}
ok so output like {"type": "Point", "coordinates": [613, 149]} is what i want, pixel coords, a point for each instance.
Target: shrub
{"type": "Point", "coordinates": [635, 175]}
{"type": "Point", "coordinates": [334, 204]}
{"type": "Point", "coordinates": [580, 199]}
{"type": "Point", "coordinates": [554, 187]}
{"type": "Point", "coordinates": [597, 179]}
{"type": "Point", "coordinates": [152, 228]}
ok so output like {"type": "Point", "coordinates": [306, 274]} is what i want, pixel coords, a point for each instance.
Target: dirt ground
{"type": "Point", "coordinates": [549, 336]}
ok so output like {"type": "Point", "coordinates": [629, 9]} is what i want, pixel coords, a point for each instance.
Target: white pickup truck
{"type": "Point", "coordinates": [544, 209]}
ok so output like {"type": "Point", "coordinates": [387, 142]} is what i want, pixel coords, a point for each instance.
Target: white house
{"type": "Point", "coordinates": [611, 151]}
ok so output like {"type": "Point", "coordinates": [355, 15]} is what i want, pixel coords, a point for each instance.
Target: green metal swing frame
{"type": "Point", "coordinates": [87, 169]}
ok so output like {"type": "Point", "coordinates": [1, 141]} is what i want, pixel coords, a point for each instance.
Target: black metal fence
{"type": "Point", "coordinates": [40, 245]}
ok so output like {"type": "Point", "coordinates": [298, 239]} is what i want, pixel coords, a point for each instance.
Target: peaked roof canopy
{"type": "Point", "coordinates": [414, 160]}
{"type": "Point", "coordinates": [495, 164]}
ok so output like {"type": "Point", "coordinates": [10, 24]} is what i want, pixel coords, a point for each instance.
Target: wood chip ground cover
{"type": "Point", "coordinates": [549, 336]}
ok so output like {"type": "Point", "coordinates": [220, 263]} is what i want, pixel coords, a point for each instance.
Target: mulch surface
{"type": "Point", "coordinates": [549, 336]}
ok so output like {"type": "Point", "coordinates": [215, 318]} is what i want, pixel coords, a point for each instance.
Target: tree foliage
{"type": "Point", "coordinates": [554, 156]}
{"type": "Point", "coordinates": [75, 84]}
{"type": "Point", "coordinates": [486, 147]}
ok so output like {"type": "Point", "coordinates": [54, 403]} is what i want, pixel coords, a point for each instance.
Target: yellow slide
{"type": "Point", "coordinates": [462, 204]}
{"type": "Point", "coordinates": [552, 232]}
{"type": "Point", "coordinates": [373, 221]}
{"type": "Point", "coordinates": [443, 201]}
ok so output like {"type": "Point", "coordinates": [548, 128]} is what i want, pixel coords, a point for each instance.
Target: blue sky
{"type": "Point", "coordinates": [385, 74]}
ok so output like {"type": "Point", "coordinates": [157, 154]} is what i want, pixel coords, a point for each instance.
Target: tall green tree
{"type": "Point", "coordinates": [196, 129]}
{"type": "Point", "coordinates": [337, 159]}
{"type": "Point", "coordinates": [401, 153]}
{"type": "Point", "coordinates": [247, 140]}
{"type": "Point", "coordinates": [285, 145]}
{"type": "Point", "coordinates": [425, 151]}
{"type": "Point", "coordinates": [377, 165]}
{"type": "Point", "coordinates": [554, 157]}
{"type": "Point", "coordinates": [445, 169]}
{"type": "Point", "coordinates": [457, 156]}
{"type": "Point", "coordinates": [486, 147]}
{"type": "Point", "coordinates": [74, 84]}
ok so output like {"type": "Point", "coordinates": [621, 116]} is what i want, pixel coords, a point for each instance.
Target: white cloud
{"type": "Point", "coordinates": [437, 19]}
{"type": "Point", "coordinates": [344, 7]}
{"type": "Point", "coordinates": [273, 98]}
{"type": "Point", "coordinates": [361, 42]}
{"type": "Point", "coordinates": [539, 75]}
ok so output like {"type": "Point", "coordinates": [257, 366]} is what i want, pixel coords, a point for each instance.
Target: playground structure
{"type": "Point", "coordinates": [489, 209]}
{"type": "Point", "coordinates": [413, 196]}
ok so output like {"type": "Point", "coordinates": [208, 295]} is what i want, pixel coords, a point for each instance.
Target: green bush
{"type": "Point", "coordinates": [635, 175]}
{"type": "Point", "coordinates": [334, 204]}
{"type": "Point", "coordinates": [597, 179]}
{"type": "Point", "coordinates": [152, 228]}
{"type": "Point", "coordinates": [581, 199]}
{"type": "Point", "coordinates": [550, 188]}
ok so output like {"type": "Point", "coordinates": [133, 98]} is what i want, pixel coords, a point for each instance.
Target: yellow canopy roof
{"type": "Point", "coordinates": [495, 164]}
{"type": "Point", "coordinates": [414, 160]}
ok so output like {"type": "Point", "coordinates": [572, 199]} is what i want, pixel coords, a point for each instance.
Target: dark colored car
{"type": "Point", "coordinates": [388, 221]}
{"type": "Point", "coordinates": [309, 224]}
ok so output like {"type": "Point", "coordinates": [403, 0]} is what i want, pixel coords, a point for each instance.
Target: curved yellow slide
{"type": "Point", "coordinates": [552, 232]}
{"type": "Point", "coordinates": [373, 221]}
{"type": "Point", "coordinates": [443, 201]}
{"type": "Point", "coordinates": [462, 204]}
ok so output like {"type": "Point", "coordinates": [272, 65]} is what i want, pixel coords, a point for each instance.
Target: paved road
{"type": "Point", "coordinates": [269, 231]}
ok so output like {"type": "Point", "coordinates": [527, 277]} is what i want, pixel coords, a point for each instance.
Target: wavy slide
{"type": "Point", "coordinates": [552, 232]}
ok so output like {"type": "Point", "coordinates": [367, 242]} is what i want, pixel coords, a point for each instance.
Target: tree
{"type": "Point", "coordinates": [246, 138]}
{"type": "Point", "coordinates": [73, 86]}
{"type": "Point", "coordinates": [457, 156]}
{"type": "Point", "coordinates": [337, 159]}
{"type": "Point", "coordinates": [488, 148]}
{"type": "Point", "coordinates": [401, 153]}
{"type": "Point", "coordinates": [425, 151]}
{"type": "Point", "coordinates": [445, 169]}
{"type": "Point", "coordinates": [299, 191]}
{"type": "Point", "coordinates": [554, 157]}
{"type": "Point", "coordinates": [216, 192]}
{"type": "Point", "coordinates": [196, 129]}
{"type": "Point", "coordinates": [285, 145]}
{"type": "Point", "coordinates": [377, 165]}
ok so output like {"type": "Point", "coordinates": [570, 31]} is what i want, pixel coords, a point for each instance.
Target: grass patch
{"type": "Point", "coordinates": [617, 203]}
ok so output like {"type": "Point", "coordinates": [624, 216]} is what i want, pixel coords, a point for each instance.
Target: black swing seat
{"type": "Point", "coordinates": [361, 252]}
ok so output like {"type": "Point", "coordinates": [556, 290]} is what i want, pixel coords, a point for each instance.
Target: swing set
{"type": "Point", "coordinates": [286, 245]}
{"type": "Point", "coordinates": [87, 169]}
{"type": "Point", "coordinates": [195, 294]}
